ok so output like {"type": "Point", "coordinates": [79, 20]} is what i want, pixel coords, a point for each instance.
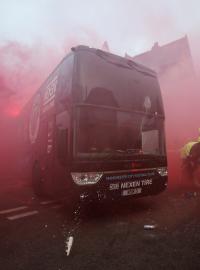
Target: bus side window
{"type": "Point", "coordinates": [63, 94]}
{"type": "Point", "coordinates": [62, 124]}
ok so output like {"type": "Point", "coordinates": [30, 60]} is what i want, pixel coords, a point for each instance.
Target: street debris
{"type": "Point", "coordinates": [149, 226]}
{"type": "Point", "coordinates": [68, 244]}
{"type": "Point", "coordinates": [190, 194]}
{"type": "Point", "coordinates": [76, 221]}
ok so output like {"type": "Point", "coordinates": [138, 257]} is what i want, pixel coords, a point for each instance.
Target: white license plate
{"type": "Point", "coordinates": [133, 191]}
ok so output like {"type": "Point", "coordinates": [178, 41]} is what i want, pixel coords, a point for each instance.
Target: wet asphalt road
{"type": "Point", "coordinates": [109, 237]}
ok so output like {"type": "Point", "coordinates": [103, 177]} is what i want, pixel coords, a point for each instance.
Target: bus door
{"type": "Point", "coordinates": [46, 154]}
{"type": "Point", "coordinates": [62, 150]}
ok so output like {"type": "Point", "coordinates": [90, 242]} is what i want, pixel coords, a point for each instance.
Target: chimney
{"type": "Point", "coordinates": [105, 47]}
{"type": "Point", "coordinates": [155, 46]}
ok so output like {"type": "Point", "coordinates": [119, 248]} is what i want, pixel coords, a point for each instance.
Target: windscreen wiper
{"type": "Point", "coordinates": [114, 153]}
{"type": "Point", "coordinates": [134, 151]}
{"type": "Point", "coordinates": [124, 153]}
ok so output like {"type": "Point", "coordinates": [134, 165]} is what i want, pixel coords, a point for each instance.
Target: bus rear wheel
{"type": "Point", "coordinates": [37, 182]}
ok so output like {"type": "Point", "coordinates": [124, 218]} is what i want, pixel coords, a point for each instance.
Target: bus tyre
{"type": "Point", "coordinates": [196, 177]}
{"type": "Point", "coordinates": [37, 180]}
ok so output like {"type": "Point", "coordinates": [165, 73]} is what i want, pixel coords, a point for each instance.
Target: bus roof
{"type": "Point", "coordinates": [116, 59]}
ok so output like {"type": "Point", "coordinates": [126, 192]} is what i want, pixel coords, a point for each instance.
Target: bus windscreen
{"type": "Point", "coordinates": [111, 84]}
{"type": "Point", "coordinates": [102, 131]}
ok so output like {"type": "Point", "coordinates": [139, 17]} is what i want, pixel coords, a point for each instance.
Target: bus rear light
{"type": "Point", "coordinates": [86, 178]}
{"type": "Point", "coordinates": [162, 171]}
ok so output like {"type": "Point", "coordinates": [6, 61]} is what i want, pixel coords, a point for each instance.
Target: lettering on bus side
{"type": "Point", "coordinates": [49, 94]}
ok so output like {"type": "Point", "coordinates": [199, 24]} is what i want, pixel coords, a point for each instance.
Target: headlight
{"type": "Point", "coordinates": [162, 171]}
{"type": "Point", "coordinates": [86, 178]}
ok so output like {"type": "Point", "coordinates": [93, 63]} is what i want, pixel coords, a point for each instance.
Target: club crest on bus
{"type": "Point", "coordinates": [34, 119]}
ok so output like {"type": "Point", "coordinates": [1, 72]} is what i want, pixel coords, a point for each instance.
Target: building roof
{"type": "Point", "coordinates": [160, 58]}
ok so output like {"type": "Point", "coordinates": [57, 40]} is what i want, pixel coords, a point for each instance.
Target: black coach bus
{"type": "Point", "coordinates": [95, 129]}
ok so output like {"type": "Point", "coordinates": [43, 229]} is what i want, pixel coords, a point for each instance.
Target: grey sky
{"type": "Point", "coordinates": [128, 26]}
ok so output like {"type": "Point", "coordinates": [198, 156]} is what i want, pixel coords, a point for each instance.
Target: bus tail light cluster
{"type": "Point", "coordinates": [86, 178]}
{"type": "Point", "coordinates": [162, 171]}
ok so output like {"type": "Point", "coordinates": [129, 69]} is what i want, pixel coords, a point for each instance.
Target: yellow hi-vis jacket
{"type": "Point", "coordinates": [185, 151]}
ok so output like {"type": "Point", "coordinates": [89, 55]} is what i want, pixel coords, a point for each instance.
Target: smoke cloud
{"type": "Point", "coordinates": [35, 35]}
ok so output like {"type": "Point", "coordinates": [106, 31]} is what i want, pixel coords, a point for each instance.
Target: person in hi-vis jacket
{"type": "Point", "coordinates": [190, 156]}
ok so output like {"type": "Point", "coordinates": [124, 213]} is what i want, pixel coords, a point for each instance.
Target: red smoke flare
{"type": "Point", "coordinates": [22, 70]}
